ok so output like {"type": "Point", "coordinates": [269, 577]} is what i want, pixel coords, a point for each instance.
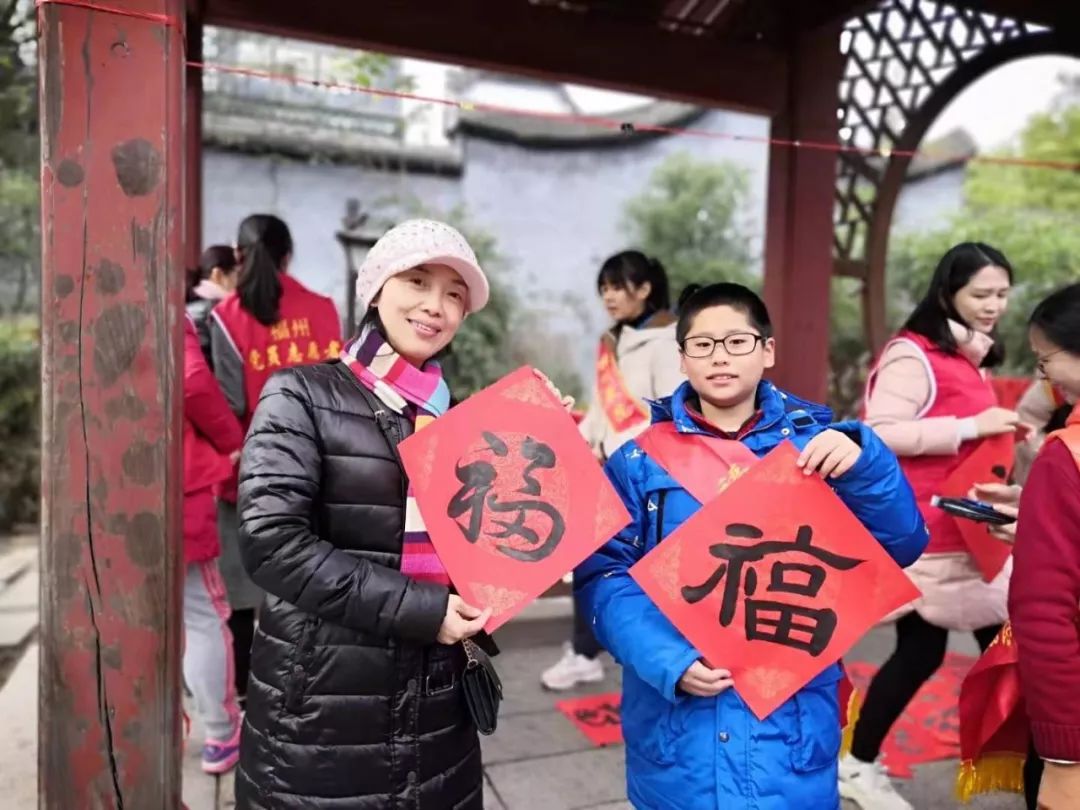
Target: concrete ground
{"type": "Point", "coordinates": [536, 761]}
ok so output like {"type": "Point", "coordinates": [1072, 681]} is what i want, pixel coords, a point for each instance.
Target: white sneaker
{"type": "Point", "coordinates": [571, 670]}
{"type": "Point", "coordinates": [867, 784]}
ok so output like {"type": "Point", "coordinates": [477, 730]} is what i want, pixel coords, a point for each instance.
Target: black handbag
{"type": "Point", "coordinates": [483, 689]}
{"type": "Point", "coordinates": [480, 682]}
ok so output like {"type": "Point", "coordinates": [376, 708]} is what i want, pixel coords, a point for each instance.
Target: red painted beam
{"type": "Point", "coordinates": [193, 133]}
{"type": "Point", "coordinates": [541, 41]}
{"type": "Point", "coordinates": [112, 176]}
{"type": "Point", "coordinates": [799, 235]}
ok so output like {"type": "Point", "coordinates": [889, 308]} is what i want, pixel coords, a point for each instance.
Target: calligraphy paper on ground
{"type": "Point", "coordinates": [597, 717]}
{"type": "Point", "coordinates": [774, 579]}
{"type": "Point", "coordinates": [510, 493]}
{"type": "Point", "coordinates": [989, 463]}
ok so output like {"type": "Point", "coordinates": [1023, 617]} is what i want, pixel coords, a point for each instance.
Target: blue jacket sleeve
{"type": "Point", "coordinates": [879, 495]}
{"type": "Point", "coordinates": [625, 620]}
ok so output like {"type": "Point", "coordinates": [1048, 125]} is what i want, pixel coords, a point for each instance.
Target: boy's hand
{"type": "Point", "coordinates": [830, 453]}
{"type": "Point", "coordinates": [701, 680]}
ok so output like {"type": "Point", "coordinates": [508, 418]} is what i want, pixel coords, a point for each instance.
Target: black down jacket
{"type": "Point", "coordinates": [352, 704]}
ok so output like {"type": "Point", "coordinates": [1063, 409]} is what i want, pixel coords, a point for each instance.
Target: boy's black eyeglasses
{"type": "Point", "coordinates": [736, 344]}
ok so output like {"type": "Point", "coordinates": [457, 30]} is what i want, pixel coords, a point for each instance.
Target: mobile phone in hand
{"type": "Point", "coordinates": [972, 510]}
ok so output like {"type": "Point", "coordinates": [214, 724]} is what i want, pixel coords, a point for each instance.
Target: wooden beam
{"type": "Point", "coordinates": [533, 40]}
{"type": "Point", "coordinates": [799, 228]}
{"type": "Point", "coordinates": [112, 176]}
{"type": "Point", "coordinates": [193, 138]}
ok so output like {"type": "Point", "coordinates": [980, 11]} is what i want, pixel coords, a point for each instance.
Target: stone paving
{"type": "Point", "coordinates": [536, 760]}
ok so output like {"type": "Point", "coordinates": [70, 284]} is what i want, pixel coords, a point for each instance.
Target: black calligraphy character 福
{"type": "Point", "coordinates": [605, 714]}
{"type": "Point", "coordinates": [478, 479]}
{"type": "Point", "coordinates": [790, 625]}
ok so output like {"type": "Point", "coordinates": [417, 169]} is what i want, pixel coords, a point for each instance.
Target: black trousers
{"type": "Point", "coordinates": [920, 649]}
{"type": "Point", "coordinates": [242, 627]}
{"type": "Point", "coordinates": [1033, 771]}
{"type": "Point", "coordinates": [585, 642]}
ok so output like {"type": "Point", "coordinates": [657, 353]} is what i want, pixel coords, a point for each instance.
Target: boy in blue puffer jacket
{"type": "Point", "coordinates": [691, 742]}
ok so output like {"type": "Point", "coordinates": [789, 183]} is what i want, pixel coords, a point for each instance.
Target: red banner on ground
{"type": "Point", "coordinates": [773, 579]}
{"type": "Point", "coordinates": [510, 494]}
{"type": "Point", "coordinates": [928, 730]}
{"type": "Point", "coordinates": [595, 716]}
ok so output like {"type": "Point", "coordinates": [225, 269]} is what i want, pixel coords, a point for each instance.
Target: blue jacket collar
{"type": "Point", "coordinates": [776, 405]}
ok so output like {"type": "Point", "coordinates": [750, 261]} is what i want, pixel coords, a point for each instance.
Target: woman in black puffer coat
{"type": "Point", "coordinates": [355, 694]}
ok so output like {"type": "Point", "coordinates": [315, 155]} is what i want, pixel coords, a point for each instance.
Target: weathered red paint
{"type": "Point", "coordinates": [112, 171]}
{"type": "Point", "coordinates": [799, 236]}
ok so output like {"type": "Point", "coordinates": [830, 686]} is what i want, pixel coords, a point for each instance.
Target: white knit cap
{"type": "Point", "coordinates": [414, 243]}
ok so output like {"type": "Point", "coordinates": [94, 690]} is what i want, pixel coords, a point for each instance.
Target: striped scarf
{"type": "Point", "coordinates": [422, 395]}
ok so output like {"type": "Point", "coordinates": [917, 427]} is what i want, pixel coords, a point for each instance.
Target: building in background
{"type": "Point", "coordinates": [551, 192]}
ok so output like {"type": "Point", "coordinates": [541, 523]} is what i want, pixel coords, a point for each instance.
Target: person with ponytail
{"type": "Point", "coordinates": [269, 322]}
{"type": "Point", "coordinates": [1044, 593]}
{"type": "Point", "coordinates": [209, 283]}
{"type": "Point", "coordinates": [930, 399]}
{"type": "Point", "coordinates": [356, 697]}
{"type": "Point", "coordinates": [637, 360]}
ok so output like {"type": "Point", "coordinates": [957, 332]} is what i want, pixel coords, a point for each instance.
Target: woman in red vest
{"type": "Point", "coordinates": [930, 400]}
{"type": "Point", "coordinates": [637, 360]}
{"type": "Point", "coordinates": [271, 321]}
{"type": "Point", "coordinates": [1044, 596]}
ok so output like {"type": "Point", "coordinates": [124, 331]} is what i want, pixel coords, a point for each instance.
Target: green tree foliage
{"type": "Point", "coordinates": [370, 69]}
{"type": "Point", "coordinates": [20, 249]}
{"type": "Point", "coordinates": [1030, 214]}
{"type": "Point", "coordinates": [1043, 249]}
{"type": "Point", "coordinates": [691, 216]}
{"type": "Point", "coordinates": [504, 335]}
{"type": "Point", "coordinates": [1051, 136]}
{"type": "Point", "coordinates": [20, 404]}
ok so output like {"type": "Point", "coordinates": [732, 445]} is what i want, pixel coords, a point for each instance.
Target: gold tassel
{"type": "Point", "coordinates": [854, 707]}
{"type": "Point", "coordinates": [994, 772]}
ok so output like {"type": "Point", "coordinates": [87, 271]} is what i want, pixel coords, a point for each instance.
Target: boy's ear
{"type": "Point", "coordinates": [769, 352]}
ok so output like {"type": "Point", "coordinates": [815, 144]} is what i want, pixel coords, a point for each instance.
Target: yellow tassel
{"type": "Point", "coordinates": [854, 707]}
{"type": "Point", "coordinates": [994, 772]}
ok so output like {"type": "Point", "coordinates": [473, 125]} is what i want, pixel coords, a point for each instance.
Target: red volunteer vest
{"type": "Point", "coordinates": [308, 331]}
{"type": "Point", "coordinates": [958, 389]}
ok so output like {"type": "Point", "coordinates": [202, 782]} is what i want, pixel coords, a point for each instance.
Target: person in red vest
{"type": "Point", "coordinates": [212, 440]}
{"type": "Point", "coordinates": [270, 322]}
{"type": "Point", "coordinates": [637, 360]}
{"type": "Point", "coordinates": [1044, 595]}
{"type": "Point", "coordinates": [930, 400]}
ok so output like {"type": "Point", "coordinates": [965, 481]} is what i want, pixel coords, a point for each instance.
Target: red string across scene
{"type": "Point", "coordinates": [601, 122]}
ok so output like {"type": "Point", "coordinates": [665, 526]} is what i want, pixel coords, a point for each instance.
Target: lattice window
{"type": "Point", "coordinates": [897, 55]}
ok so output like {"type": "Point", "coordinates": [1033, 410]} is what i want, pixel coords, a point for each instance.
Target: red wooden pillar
{"type": "Point", "coordinates": [799, 237]}
{"type": "Point", "coordinates": [193, 131]}
{"type": "Point", "coordinates": [112, 103]}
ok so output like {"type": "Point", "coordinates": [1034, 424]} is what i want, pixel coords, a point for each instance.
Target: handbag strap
{"type": "Point", "coordinates": [382, 419]}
